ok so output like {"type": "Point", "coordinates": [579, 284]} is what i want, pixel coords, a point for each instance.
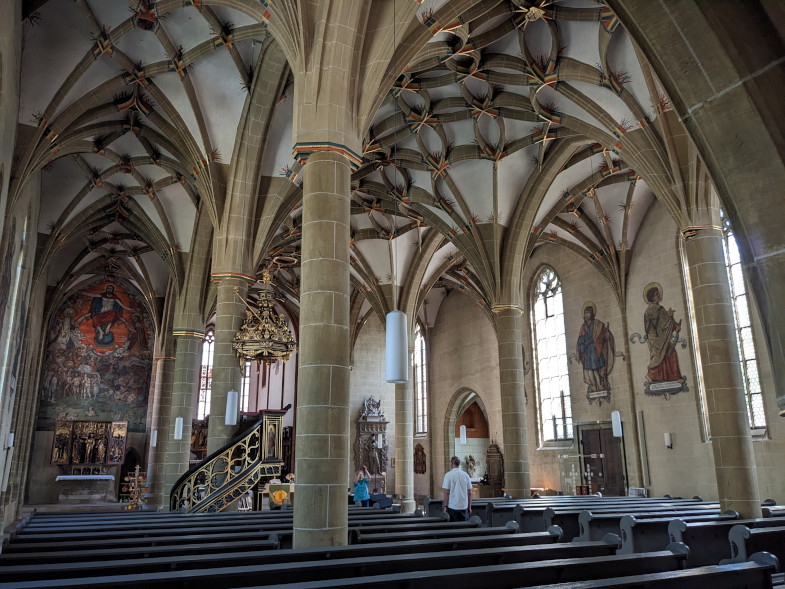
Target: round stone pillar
{"type": "Point", "coordinates": [322, 440]}
{"type": "Point", "coordinates": [513, 401]}
{"type": "Point", "coordinates": [175, 454]}
{"type": "Point", "coordinates": [404, 444]}
{"type": "Point", "coordinates": [158, 421]}
{"type": "Point", "coordinates": [734, 460]}
{"type": "Point", "coordinates": [227, 374]}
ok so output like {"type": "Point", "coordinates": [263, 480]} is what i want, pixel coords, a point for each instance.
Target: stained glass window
{"type": "Point", "coordinates": [744, 337]}
{"type": "Point", "coordinates": [550, 356]}
{"type": "Point", "coordinates": [206, 376]}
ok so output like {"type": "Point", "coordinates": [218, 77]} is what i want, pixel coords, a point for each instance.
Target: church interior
{"type": "Point", "coordinates": [251, 245]}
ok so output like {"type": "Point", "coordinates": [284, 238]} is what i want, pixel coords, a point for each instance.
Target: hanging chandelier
{"type": "Point", "coordinates": [264, 336]}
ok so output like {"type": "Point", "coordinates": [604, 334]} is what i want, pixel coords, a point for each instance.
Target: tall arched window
{"type": "Point", "coordinates": [206, 375]}
{"type": "Point", "coordinates": [420, 383]}
{"type": "Point", "coordinates": [744, 337]}
{"type": "Point", "coordinates": [550, 355]}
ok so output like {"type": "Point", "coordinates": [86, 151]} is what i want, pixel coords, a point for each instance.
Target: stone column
{"type": "Point", "coordinates": [322, 441]}
{"type": "Point", "coordinates": [175, 454]}
{"type": "Point", "coordinates": [734, 460]}
{"type": "Point", "coordinates": [227, 375]}
{"type": "Point", "coordinates": [404, 444]}
{"type": "Point", "coordinates": [516, 448]}
{"type": "Point", "coordinates": [159, 420]}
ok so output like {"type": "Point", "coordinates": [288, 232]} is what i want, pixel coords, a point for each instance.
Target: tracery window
{"type": "Point", "coordinates": [245, 389]}
{"type": "Point", "coordinates": [550, 356]}
{"type": "Point", "coordinates": [206, 375]}
{"type": "Point", "coordinates": [420, 383]}
{"type": "Point", "coordinates": [744, 336]}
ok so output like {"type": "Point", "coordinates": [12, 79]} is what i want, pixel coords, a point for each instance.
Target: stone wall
{"type": "Point", "coordinates": [688, 468]}
{"type": "Point", "coordinates": [464, 358]}
{"type": "Point", "coordinates": [367, 380]}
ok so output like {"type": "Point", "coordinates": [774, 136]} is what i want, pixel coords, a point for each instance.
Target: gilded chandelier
{"type": "Point", "coordinates": [264, 335]}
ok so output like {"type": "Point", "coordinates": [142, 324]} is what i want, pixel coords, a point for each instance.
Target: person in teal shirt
{"type": "Point", "coordinates": [361, 494]}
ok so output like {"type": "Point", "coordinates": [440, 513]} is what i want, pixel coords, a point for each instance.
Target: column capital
{"type": "Point", "coordinates": [184, 333]}
{"type": "Point", "coordinates": [303, 149]}
{"type": "Point", "coordinates": [692, 231]}
{"type": "Point", "coordinates": [217, 277]}
{"type": "Point", "coordinates": [501, 307]}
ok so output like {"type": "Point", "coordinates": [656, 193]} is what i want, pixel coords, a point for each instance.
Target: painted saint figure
{"type": "Point", "coordinates": [271, 441]}
{"type": "Point", "coordinates": [372, 450]}
{"type": "Point", "coordinates": [105, 310]}
{"type": "Point", "coordinates": [595, 350]}
{"type": "Point", "coordinates": [662, 333]}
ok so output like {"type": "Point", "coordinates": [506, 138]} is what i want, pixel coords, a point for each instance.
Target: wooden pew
{"type": "Point", "coordinates": [396, 547]}
{"type": "Point", "coordinates": [498, 514]}
{"type": "Point", "coordinates": [197, 521]}
{"type": "Point", "coordinates": [202, 521]}
{"type": "Point", "coordinates": [734, 576]}
{"type": "Point", "coordinates": [442, 524]}
{"type": "Point", "coordinates": [32, 558]}
{"type": "Point", "coordinates": [532, 518]}
{"type": "Point", "coordinates": [568, 520]}
{"type": "Point", "coordinates": [744, 542]}
{"type": "Point", "coordinates": [310, 557]}
{"type": "Point", "coordinates": [595, 525]}
{"type": "Point", "coordinates": [773, 511]}
{"type": "Point", "coordinates": [411, 570]}
{"type": "Point", "coordinates": [708, 541]}
{"type": "Point", "coordinates": [16, 547]}
{"type": "Point", "coordinates": [359, 536]}
{"type": "Point", "coordinates": [433, 507]}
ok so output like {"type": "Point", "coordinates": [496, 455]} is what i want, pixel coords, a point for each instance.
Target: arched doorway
{"type": "Point", "coordinates": [467, 408]}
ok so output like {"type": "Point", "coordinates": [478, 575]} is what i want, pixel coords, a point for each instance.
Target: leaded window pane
{"type": "Point", "coordinates": [744, 335]}
{"type": "Point", "coordinates": [420, 380]}
{"type": "Point", "coordinates": [550, 351]}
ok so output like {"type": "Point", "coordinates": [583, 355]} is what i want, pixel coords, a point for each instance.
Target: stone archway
{"type": "Point", "coordinates": [723, 86]}
{"type": "Point", "coordinates": [457, 406]}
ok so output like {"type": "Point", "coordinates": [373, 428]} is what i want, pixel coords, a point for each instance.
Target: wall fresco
{"type": "Point", "coordinates": [98, 359]}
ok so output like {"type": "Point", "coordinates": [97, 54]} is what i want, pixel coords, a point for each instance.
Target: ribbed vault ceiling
{"type": "Point", "coordinates": [517, 124]}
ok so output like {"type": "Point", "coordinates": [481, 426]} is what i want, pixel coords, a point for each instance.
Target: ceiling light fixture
{"type": "Point", "coordinates": [264, 336]}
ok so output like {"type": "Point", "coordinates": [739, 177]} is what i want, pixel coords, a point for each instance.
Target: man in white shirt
{"type": "Point", "coordinates": [457, 492]}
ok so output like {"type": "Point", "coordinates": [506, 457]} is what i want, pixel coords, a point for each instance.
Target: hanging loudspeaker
{"type": "Point", "coordinates": [616, 424]}
{"type": "Point", "coordinates": [396, 348]}
{"type": "Point", "coordinates": [178, 428]}
{"type": "Point", "coordinates": [232, 398]}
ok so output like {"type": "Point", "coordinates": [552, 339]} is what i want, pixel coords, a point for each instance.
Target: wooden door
{"type": "Point", "coordinates": [613, 469]}
{"type": "Point", "coordinates": [591, 446]}
{"type": "Point", "coordinates": [602, 462]}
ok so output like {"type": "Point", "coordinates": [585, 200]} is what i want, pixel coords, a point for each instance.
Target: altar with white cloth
{"type": "Point", "coordinates": [86, 489]}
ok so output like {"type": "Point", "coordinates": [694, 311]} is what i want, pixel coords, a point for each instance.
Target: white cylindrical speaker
{"type": "Point", "coordinates": [154, 439]}
{"type": "Point", "coordinates": [178, 428]}
{"type": "Point", "coordinates": [616, 424]}
{"type": "Point", "coordinates": [396, 354]}
{"type": "Point", "coordinates": [232, 401]}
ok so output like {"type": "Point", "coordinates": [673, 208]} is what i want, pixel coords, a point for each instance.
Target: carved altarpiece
{"type": "Point", "coordinates": [370, 447]}
{"type": "Point", "coordinates": [494, 461]}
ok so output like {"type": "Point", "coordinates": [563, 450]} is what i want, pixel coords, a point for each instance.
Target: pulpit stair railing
{"type": "Point", "coordinates": [227, 474]}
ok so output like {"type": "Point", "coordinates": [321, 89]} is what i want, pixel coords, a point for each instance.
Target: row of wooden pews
{"type": "Point", "coordinates": [140, 549]}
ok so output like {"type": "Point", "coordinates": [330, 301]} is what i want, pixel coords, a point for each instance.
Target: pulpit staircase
{"type": "Point", "coordinates": [226, 475]}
